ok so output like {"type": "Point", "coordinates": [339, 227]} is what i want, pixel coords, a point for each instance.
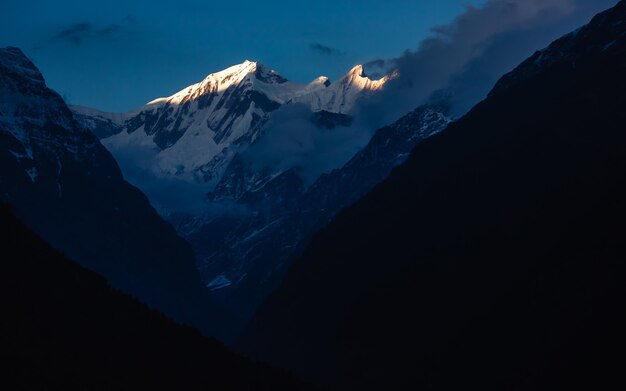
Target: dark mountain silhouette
{"type": "Point", "coordinates": [64, 328]}
{"type": "Point", "coordinates": [494, 258]}
{"type": "Point", "coordinates": [68, 188]}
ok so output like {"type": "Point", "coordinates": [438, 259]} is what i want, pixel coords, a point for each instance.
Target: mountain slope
{"type": "Point", "coordinates": [493, 258]}
{"type": "Point", "coordinates": [68, 188]}
{"type": "Point", "coordinates": [242, 256]}
{"type": "Point", "coordinates": [65, 328]}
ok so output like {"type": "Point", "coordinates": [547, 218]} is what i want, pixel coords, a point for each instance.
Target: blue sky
{"type": "Point", "coordinates": [117, 55]}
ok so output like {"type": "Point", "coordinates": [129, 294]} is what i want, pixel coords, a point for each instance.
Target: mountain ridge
{"type": "Point", "coordinates": [67, 187]}
{"type": "Point", "coordinates": [196, 131]}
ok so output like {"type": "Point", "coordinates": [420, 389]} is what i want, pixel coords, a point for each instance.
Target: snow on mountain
{"type": "Point", "coordinates": [341, 96]}
{"type": "Point", "coordinates": [27, 108]}
{"type": "Point", "coordinates": [196, 132]}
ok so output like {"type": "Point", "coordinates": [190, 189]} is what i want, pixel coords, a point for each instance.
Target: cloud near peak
{"type": "Point", "coordinates": [468, 55]}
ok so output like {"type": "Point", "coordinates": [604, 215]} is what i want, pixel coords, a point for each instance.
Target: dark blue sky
{"type": "Point", "coordinates": [115, 55]}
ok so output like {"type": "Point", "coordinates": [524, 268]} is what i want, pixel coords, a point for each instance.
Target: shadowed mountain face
{"type": "Point", "coordinates": [494, 258]}
{"type": "Point", "coordinates": [63, 327]}
{"type": "Point", "coordinates": [66, 186]}
{"type": "Point", "coordinates": [243, 256]}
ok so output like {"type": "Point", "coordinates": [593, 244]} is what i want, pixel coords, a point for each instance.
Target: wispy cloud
{"type": "Point", "coordinates": [74, 34]}
{"type": "Point", "coordinates": [293, 140]}
{"type": "Point", "coordinates": [109, 29]}
{"type": "Point", "coordinates": [80, 32]}
{"type": "Point", "coordinates": [325, 50]}
{"type": "Point", "coordinates": [467, 56]}
{"type": "Point", "coordinates": [377, 63]}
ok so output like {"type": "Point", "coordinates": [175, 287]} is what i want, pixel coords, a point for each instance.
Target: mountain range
{"type": "Point", "coordinates": [250, 219]}
{"type": "Point", "coordinates": [440, 252]}
{"type": "Point", "coordinates": [197, 131]}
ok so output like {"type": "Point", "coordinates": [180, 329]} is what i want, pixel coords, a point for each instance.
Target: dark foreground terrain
{"type": "Point", "coordinates": [64, 328]}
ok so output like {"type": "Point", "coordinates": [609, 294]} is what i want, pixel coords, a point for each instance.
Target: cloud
{"type": "Point", "coordinates": [377, 63]}
{"type": "Point", "coordinates": [375, 69]}
{"type": "Point", "coordinates": [109, 29]}
{"type": "Point", "coordinates": [78, 33]}
{"type": "Point", "coordinates": [166, 193]}
{"type": "Point", "coordinates": [464, 58]}
{"type": "Point", "coordinates": [292, 140]}
{"type": "Point", "coordinates": [74, 34]}
{"type": "Point", "coordinates": [325, 50]}
{"type": "Point", "coordinates": [467, 56]}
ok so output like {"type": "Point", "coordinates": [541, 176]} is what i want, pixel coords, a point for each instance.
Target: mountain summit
{"type": "Point", "coordinates": [196, 132]}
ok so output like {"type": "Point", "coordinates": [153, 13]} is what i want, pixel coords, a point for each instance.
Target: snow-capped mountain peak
{"type": "Point", "coordinates": [198, 130]}
{"type": "Point", "coordinates": [357, 70]}
{"type": "Point", "coordinates": [320, 94]}
{"type": "Point", "coordinates": [322, 80]}
{"type": "Point", "coordinates": [213, 83]}
{"type": "Point", "coordinates": [267, 75]}
{"type": "Point", "coordinates": [360, 80]}
{"type": "Point", "coordinates": [342, 95]}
